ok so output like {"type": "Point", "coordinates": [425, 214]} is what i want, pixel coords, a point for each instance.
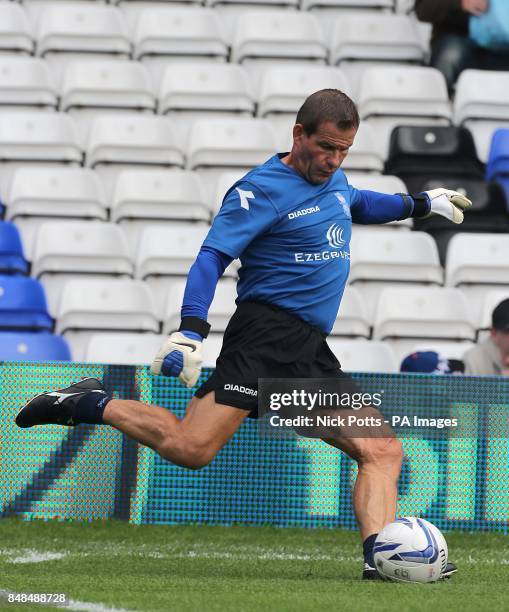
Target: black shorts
{"type": "Point", "coordinates": [264, 341]}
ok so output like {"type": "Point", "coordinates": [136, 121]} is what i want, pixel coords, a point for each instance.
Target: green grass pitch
{"type": "Point", "coordinates": [196, 568]}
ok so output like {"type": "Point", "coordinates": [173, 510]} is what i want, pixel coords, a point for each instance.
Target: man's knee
{"type": "Point", "coordinates": [190, 453]}
{"type": "Point", "coordinates": [383, 452]}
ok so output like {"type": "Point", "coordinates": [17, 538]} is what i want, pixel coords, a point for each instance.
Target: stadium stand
{"type": "Point", "coordinates": [364, 155]}
{"type": "Point", "coordinates": [33, 346]}
{"type": "Point", "coordinates": [352, 320]}
{"type": "Point", "coordinates": [12, 260]}
{"type": "Point", "coordinates": [124, 349]}
{"type": "Point", "coordinates": [23, 305]}
{"type": "Point", "coordinates": [364, 355]}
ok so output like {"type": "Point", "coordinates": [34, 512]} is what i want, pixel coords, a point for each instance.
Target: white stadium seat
{"type": "Point", "coordinates": [211, 349]}
{"type": "Point", "coordinates": [415, 312]}
{"type": "Point", "coordinates": [123, 348]}
{"type": "Point", "coordinates": [363, 355]}
{"type": "Point", "coordinates": [26, 82]}
{"type": "Point", "coordinates": [154, 195]}
{"type": "Point", "coordinates": [364, 155]}
{"type": "Point", "coordinates": [402, 95]}
{"type": "Point", "coordinates": [133, 139]}
{"type": "Point", "coordinates": [179, 32]}
{"type": "Point", "coordinates": [112, 84]}
{"type": "Point", "coordinates": [348, 4]}
{"type": "Point", "coordinates": [91, 305]}
{"type": "Point", "coordinates": [262, 35]}
{"type": "Point", "coordinates": [352, 319]}
{"type": "Point", "coordinates": [481, 105]}
{"type": "Point", "coordinates": [80, 247]}
{"type": "Point", "coordinates": [250, 4]}
{"type": "Point", "coordinates": [283, 89]}
{"type": "Point", "coordinates": [74, 28]}
{"type": "Point", "coordinates": [205, 87]}
{"type": "Point", "coordinates": [224, 182]}
{"type": "Point", "coordinates": [374, 36]}
{"type": "Point", "coordinates": [394, 256]}
{"type": "Point", "coordinates": [32, 136]}
{"type": "Point", "coordinates": [15, 32]}
{"type": "Point", "coordinates": [55, 192]}
{"type": "Point", "coordinates": [229, 142]}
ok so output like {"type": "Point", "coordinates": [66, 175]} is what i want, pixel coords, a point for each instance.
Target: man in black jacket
{"type": "Point", "coordinates": [452, 51]}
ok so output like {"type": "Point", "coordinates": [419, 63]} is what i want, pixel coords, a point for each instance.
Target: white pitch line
{"type": "Point", "coordinates": [33, 556]}
{"type": "Point", "coordinates": [72, 604]}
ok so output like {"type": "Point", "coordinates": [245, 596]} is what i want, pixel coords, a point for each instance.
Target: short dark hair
{"type": "Point", "coordinates": [328, 105]}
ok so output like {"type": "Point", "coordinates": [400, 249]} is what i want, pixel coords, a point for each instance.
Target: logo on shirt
{"type": "Point", "coordinates": [240, 389]}
{"type": "Point", "coordinates": [244, 196]}
{"type": "Point", "coordinates": [304, 211]}
{"type": "Point", "coordinates": [335, 236]}
{"type": "Point", "coordinates": [344, 205]}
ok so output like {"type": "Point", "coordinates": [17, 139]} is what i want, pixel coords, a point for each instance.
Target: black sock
{"type": "Point", "coordinates": [90, 408]}
{"type": "Point", "coordinates": [367, 547]}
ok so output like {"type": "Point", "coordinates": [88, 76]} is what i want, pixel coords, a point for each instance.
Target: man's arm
{"type": "Point", "coordinates": [369, 207]}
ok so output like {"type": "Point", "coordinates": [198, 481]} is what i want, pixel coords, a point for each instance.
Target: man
{"type": "Point", "coordinates": [491, 356]}
{"type": "Point", "coordinates": [289, 220]}
{"type": "Point", "coordinates": [452, 50]}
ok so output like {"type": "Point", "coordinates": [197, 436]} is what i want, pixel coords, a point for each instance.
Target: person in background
{"type": "Point", "coordinates": [431, 362]}
{"type": "Point", "coordinates": [452, 51]}
{"type": "Point", "coordinates": [491, 356]}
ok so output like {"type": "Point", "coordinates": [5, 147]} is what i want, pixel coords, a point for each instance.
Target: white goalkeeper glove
{"type": "Point", "coordinates": [447, 203]}
{"type": "Point", "coordinates": [180, 355]}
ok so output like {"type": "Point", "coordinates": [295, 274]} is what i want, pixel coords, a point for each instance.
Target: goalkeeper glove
{"type": "Point", "coordinates": [180, 355]}
{"type": "Point", "coordinates": [444, 202]}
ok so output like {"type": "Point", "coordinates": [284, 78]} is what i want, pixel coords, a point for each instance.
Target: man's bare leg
{"type": "Point", "coordinates": [189, 442]}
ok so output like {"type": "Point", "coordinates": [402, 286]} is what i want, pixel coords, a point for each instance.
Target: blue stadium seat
{"type": "Point", "coordinates": [498, 161]}
{"type": "Point", "coordinates": [12, 260]}
{"type": "Point", "coordinates": [33, 346]}
{"type": "Point", "coordinates": [23, 304]}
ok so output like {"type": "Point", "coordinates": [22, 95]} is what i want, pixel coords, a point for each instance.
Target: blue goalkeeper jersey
{"type": "Point", "coordinates": [293, 238]}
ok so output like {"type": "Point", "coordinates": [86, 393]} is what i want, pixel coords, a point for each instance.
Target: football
{"type": "Point", "coordinates": [410, 550]}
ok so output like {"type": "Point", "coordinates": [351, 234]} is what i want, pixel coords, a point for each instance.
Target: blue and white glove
{"type": "Point", "coordinates": [180, 355]}
{"type": "Point", "coordinates": [447, 203]}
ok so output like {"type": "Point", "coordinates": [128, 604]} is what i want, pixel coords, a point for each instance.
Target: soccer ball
{"type": "Point", "coordinates": [410, 550]}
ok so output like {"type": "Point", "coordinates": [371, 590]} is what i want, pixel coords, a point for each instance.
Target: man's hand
{"type": "Point", "coordinates": [447, 203]}
{"type": "Point", "coordinates": [475, 7]}
{"type": "Point", "coordinates": [180, 355]}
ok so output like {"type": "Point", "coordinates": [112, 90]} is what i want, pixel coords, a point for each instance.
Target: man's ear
{"type": "Point", "coordinates": [298, 132]}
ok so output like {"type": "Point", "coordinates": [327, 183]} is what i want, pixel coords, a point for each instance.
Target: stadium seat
{"type": "Point", "coordinates": [480, 104]}
{"type": "Point", "coordinates": [205, 88]}
{"type": "Point", "coordinates": [15, 31]}
{"type": "Point", "coordinates": [176, 31]}
{"type": "Point", "coordinates": [364, 155]}
{"type": "Point", "coordinates": [278, 35]}
{"type": "Point", "coordinates": [230, 143]}
{"type": "Point", "coordinates": [78, 28]}
{"type": "Point", "coordinates": [94, 305]}
{"type": "Point", "coordinates": [123, 348]}
{"type": "Point", "coordinates": [26, 82]}
{"type": "Point", "coordinates": [306, 5]}
{"type": "Point", "coordinates": [419, 153]}
{"type": "Point", "coordinates": [498, 161]}
{"type": "Point", "coordinates": [23, 304]}
{"type": "Point", "coordinates": [12, 260]}
{"type": "Point", "coordinates": [211, 349]}
{"type": "Point", "coordinates": [491, 299]}
{"type": "Point", "coordinates": [81, 247]}
{"type": "Point", "coordinates": [31, 136]}
{"type": "Point", "coordinates": [402, 95]}
{"type": "Point", "coordinates": [423, 312]}
{"type": "Point", "coordinates": [224, 182]}
{"type": "Point", "coordinates": [450, 350]}
{"type": "Point", "coordinates": [374, 36]}
{"type": "Point", "coordinates": [133, 139]}
{"type": "Point", "coordinates": [33, 346]}
{"type": "Point", "coordinates": [106, 84]}
{"type": "Point", "coordinates": [283, 89]}
{"type": "Point", "coordinates": [55, 192]}
{"type": "Point", "coordinates": [156, 195]}
{"type": "Point", "coordinates": [222, 307]}
{"type": "Point", "coordinates": [352, 320]}
{"type": "Point", "coordinates": [363, 355]}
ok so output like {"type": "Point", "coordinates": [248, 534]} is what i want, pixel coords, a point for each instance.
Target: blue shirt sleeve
{"type": "Point", "coordinates": [373, 207]}
{"type": "Point", "coordinates": [245, 213]}
{"type": "Point", "coordinates": [201, 282]}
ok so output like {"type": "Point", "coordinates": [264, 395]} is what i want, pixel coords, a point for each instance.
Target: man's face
{"type": "Point", "coordinates": [319, 155]}
{"type": "Point", "coordinates": [501, 338]}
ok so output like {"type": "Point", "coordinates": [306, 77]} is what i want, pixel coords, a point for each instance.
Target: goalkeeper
{"type": "Point", "coordinates": [290, 222]}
